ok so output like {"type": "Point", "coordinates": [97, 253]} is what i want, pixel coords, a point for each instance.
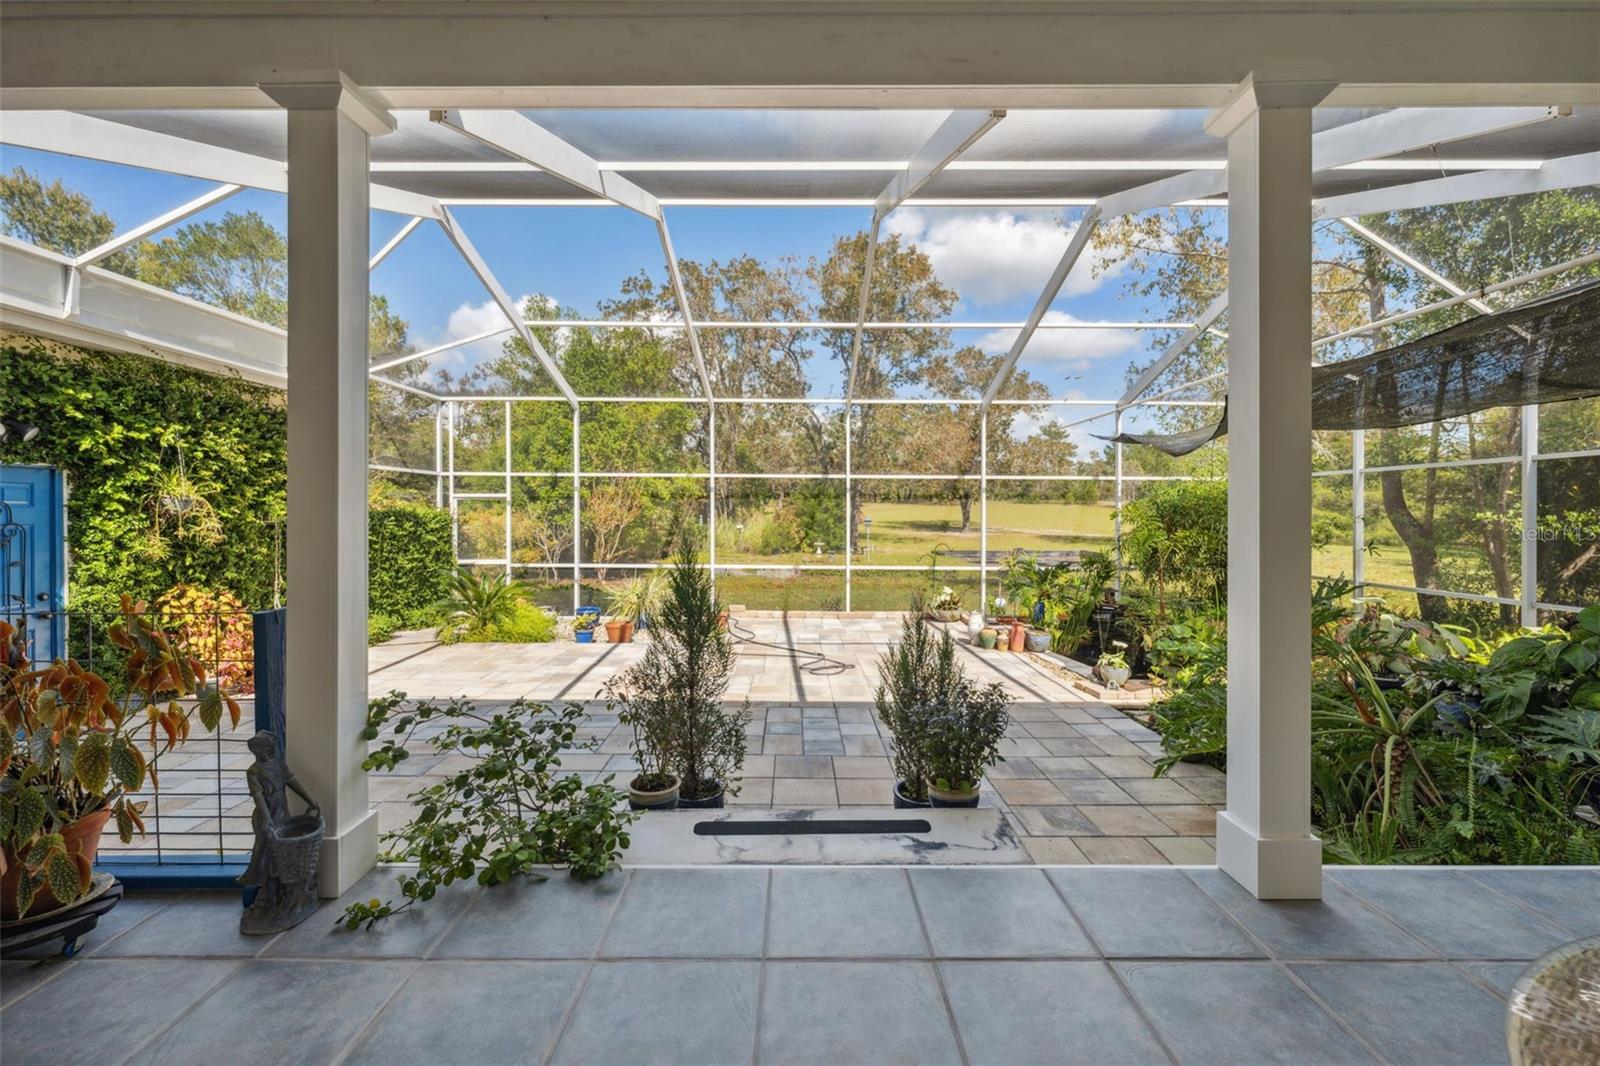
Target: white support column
{"type": "Point", "coordinates": [1116, 499]}
{"type": "Point", "coordinates": [1264, 838]}
{"type": "Point", "coordinates": [577, 516]}
{"type": "Point", "coordinates": [1358, 508]}
{"type": "Point", "coordinates": [507, 514]}
{"type": "Point", "coordinates": [1530, 515]}
{"type": "Point", "coordinates": [983, 508]}
{"type": "Point", "coordinates": [326, 689]}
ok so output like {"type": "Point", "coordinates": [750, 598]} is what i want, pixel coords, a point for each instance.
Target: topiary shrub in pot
{"type": "Point", "coordinates": [961, 740]}
{"type": "Point", "coordinates": [673, 697]}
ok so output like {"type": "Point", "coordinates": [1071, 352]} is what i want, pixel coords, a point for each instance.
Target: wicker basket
{"type": "Point", "coordinates": [296, 846]}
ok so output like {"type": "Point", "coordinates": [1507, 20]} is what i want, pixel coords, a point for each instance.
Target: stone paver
{"type": "Point", "coordinates": [823, 965]}
{"type": "Point", "coordinates": [1074, 769]}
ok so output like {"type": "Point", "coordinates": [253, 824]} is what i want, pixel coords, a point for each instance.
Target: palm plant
{"type": "Point", "coordinates": [475, 601]}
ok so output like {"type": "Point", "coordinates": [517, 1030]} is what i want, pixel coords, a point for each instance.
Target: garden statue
{"type": "Point", "coordinates": [283, 863]}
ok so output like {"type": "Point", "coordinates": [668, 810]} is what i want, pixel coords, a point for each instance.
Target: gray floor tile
{"type": "Point", "coordinates": [1152, 913]}
{"type": "Point", "coordinates": [273, 1012]}
{"type": "Point", "coordinates": [1501, 976]}
{"type": "Point", "coordinates": [1412, 1012]}
{"type": "Point", "coordinates": [1236, 1012]}
{"type": "Point", "coordinates": [407, 934]}
{"type": "Point", "coordinates": [128, 914]}
{"type": "Point", "coordinates": [977, 913]}
{"type": "Point", "coordinates": [835, 1012]}
{"type": "Point", "coordinates": [1059, 1012]}
{"type": "Point", "coordinates": [689, 913]}
{"type": "Point", "coordinates": [496, 1012]}
{"type": "Point", "coordinates": [643, 1012]}
{"type": "Point", "coordinates": [1569, 898]}
{"type": "Point", "coordinates": [1457, 916]}
{"type": "Point", "coordinates": [31, 1030]}
{"type": "Point", "coordinates": [843, 912]}
{"type": "Point", "coordinates": [526, 919]}
{"type": "Point", "coordinates": [1338, 926]}
{"type": "Point", "coordinates": [18, 976]}
{"type": "Point", "coordinates": [203, 924]}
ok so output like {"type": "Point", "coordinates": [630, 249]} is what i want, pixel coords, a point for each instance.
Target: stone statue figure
{"type": "Point", "coordinates": [283, 862]}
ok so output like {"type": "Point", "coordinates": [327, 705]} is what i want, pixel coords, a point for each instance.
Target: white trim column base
{"type": "Point", "coordinates": [1269, 868]}
{"type": "Point", "coordinates": [345, 858]}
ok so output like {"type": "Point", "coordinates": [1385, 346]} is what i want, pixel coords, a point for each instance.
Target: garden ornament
{"type": "Point", "coordinates": [283, 863]}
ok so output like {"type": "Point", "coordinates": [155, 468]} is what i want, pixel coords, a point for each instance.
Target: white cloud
{"type": "Point", "coordinates": [1068, 349]}
{"type": "Point", "coordinates": [471, 320]}
{"type": "Point", "coordinates": [989, 256]}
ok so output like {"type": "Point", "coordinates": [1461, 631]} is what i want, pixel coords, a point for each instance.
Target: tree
{"type": "Point", "coordinates": [51, 216]}
{"type": "Point", "coordinates": [1179, 263]}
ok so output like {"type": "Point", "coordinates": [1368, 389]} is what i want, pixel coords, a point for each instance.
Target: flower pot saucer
{"type": "Point", "coordinates": [69, 923]}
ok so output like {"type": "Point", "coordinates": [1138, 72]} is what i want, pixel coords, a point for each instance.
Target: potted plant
{"type": "Point", "coordinates": [583, 628]}
{"type": "Point", "coordinates": [673, 696]}
{"type": "Point", "coordinates": [1112, 667]}
{"type": "Point", "coordinates": [69, 758]}
{"type": "Point", "coordinates": [945, 605]}
{"type": "Point", "coordinates": [962, 740]}
{"type": "Point", "coordinates": [911, 675]}
{"type": "Point", "coordinates": [636, 600]}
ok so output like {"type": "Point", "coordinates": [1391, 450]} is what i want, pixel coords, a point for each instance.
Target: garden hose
{"type": "Point", "coordinates": [816, 663]}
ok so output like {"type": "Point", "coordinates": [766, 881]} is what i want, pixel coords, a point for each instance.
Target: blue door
{"type": "Point", "coordinates": [33, 556]}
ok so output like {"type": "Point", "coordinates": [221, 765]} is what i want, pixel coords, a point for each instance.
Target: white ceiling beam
{"type": "Point", "coordinates": [959, 131]}
{"type": "Point", "coordinates": [517, 135]}
{"type": "Point", "coordinates": [1212, 312]}
{"type": "Point", "coordinates": [1058, 277]}
{"type": "Point", "coordinates": [508, 307]}
{"type": "Point", "coordinates": [393, 243]}
{"type": "Point", "coordinates": [155, 225]}
{"type": "Point", "coordinates": [69, 133]}
{"type": "Point", "coordinates": [888, 166]}
{"type": "Point", "coordinates": [1407, 128]}
{"type": "Point", "coordinates": [1405, 258]}
{"type": "Point", "coordinates": [1565, 173]}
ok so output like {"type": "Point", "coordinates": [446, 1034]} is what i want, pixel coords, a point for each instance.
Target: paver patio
{"type": "Point", "coordinates": [1076, 785]}
{"type": "Point", "coordinates": [976, 965]}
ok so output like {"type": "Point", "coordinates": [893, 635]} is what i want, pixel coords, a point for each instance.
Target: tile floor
{"type": "Point", "coordinates": [1076, 785]}
{"type": "Point", "coordinates": [826, 965]}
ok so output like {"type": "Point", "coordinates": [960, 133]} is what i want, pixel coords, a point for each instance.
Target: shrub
{"type": "Point", "coordinates": [380, 627]}
{"type": "Point", "coordinates": [115, 423]}
{"type": "Point", "coordinates": [526, 623]}
{"type": "Point", "coordinates": [673, 696]}
{"type": "Point", "coordinates": [1176, 535]}
{"type": "Point", "coordinates": [214, 627]}
{"type": "Point", "coordinates": [409, 561]}
{"type": "Point", "coordinates": [507, 814]}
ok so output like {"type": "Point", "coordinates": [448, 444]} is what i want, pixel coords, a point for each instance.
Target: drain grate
{"type": "Point", "coordinates": [829, 827]}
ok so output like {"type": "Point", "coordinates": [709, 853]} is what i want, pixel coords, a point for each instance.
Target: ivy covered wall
{"type": "Point", "coordinates": [117, 424]}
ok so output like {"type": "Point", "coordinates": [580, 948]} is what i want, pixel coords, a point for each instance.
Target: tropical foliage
{"type": "Point", "coordinates": [69, 746]}
{"type": "Point", "coordinates": [1429, 743]}
{"type": "Point", "coordinates": [510, 812]}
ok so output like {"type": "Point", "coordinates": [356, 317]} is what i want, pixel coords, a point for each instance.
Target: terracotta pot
{"type": "Point", "coordinates": [614, 631]}
{"type": "Point", "coordinates": [81, 836]}
{"type": "Point", "coordinates": [627, 632]}
{"type": "Point", "coordinates": [1019, 633]}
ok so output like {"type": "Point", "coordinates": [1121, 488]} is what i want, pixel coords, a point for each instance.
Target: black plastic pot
{"type": "Point", "coordinates": [905, 803]}
{"type": "Point", "coordinates": [715, 801]}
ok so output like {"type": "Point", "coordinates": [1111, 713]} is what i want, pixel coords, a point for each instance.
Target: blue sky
{"type": "Point", "coordinates": [997, 258]}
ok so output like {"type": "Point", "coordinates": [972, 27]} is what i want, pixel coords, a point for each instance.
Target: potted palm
{"type": "Point", "coordinates": [673, 696]}
{"type": "Point", "coordinates": [69, 759]}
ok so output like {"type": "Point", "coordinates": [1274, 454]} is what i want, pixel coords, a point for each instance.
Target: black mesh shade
{"type": "Point", "coordinates": [1543, 351]}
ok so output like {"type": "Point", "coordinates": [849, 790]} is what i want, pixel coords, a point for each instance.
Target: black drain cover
{"type": "Point", "coordinates": [830, 826]}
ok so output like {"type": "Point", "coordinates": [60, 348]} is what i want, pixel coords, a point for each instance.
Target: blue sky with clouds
{"type": "Point", "coordinates": [998, 259]}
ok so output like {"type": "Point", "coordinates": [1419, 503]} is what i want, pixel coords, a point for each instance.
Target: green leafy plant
{"type": "Point", "coordinates": [409, 562]}
{"type": "Point", "coordinates": [1114, 659]}
{"type": "Point", "coordinates": [673, 697]}
{"type": "Point", "coordinates": [508, 813]}
{"type": "Point", "coordinates": [1176, 535]}
{"type": "Point", "coordinates": [942, 724]}
{"type": "Point", "coordinates": [69, 750]}
{"type": "Point", "coordinates": [640, 597]}
{"type": "Point", "coordinates": [479, 601]}
{"type": "Point", "coordinates": [527, 623]}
